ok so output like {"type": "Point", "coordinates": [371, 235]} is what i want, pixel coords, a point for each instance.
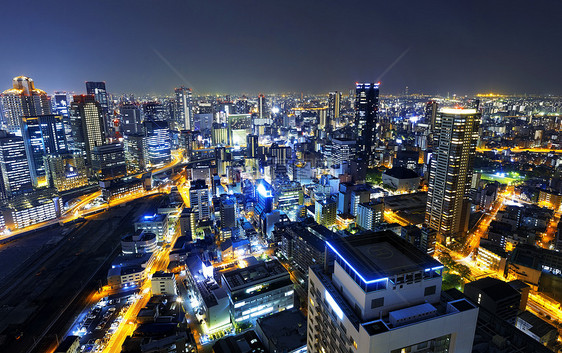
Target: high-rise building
{"type": "Point", "coordinates": [325, 212]}
{"type": "Point", "coordinates": [383, 295]}
{"type": "Point", "coordinates": [98, 90]}
{"type": "Point", "coordinates": [158, 142]}
{"type": "Point", "coordinates": [334, 109]}
{"type": "Point", "coordinates": [108, 161]}
{"type": "Point", "coordinates": [448, 197]}
{"type": "Point", "coordinates": [369, 214]}
{"type": "Point", "coordinates": [227, 208]}
{"type": "Point", "coordinates": [155, 111]}
{"type": "Point", "coordinates": [86, 119]}
{"type": "Point", "coordinates": [199, 199]}
{"type": "Point", "coordinates": [23, 100]}
{"type": "Point", "coordinates": [42, 135]}
{"type": "Point", "coordinates": [252, 146]}
{"type": "Point", "coordinates": [131, 120]}
{"type": "Point", "coordinates": [366, 112]}
{"type": "Point", "coordinates": [262, 107]}
{"type": "Point", "coordinates": [136, 153]}
{"type": "Point", "coordinates": [183, 109]}
{"type": "Point", "coordinates": [264, 197]}
{"type": "Point", "coordinates": [14, 169]}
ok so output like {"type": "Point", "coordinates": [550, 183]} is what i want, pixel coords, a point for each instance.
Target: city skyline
{"type": "Point", "coordinates": [312, 47]}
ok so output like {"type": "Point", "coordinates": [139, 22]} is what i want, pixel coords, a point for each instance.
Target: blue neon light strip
{"type": "Point", "coordinates": [354, 270]}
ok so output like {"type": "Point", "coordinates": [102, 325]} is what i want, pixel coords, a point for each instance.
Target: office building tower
{"type": "Point", "coordinates": [325, 212]}
{"type": "Point", "coordinates": [42, 135]}
{"type": "Point", "coordinates": [384, 295]}
{"type": "Point", "coordinates": [227, 208]}
{"type": "Point", "coordinates": [108, 161]}
{"type": "Point", "coordinates": [334, 109]}
{"type": "Point", "coordinates": [448, 197]}
{"type": "Point", "coordinates": [359, 194]}
{"type": "Point", "coordinates": [288, 194]}
{"type": "Point", "coordinates": [199, 199]}
{"type": "Point", "coordinates": [158, 142]}
{"type": "Point", "coordinates": [86, 119]}
{"type": "Point", "coordinates": [223, 158]}
{"type": "Point", "coordinates": [136, 153]}
{"type": "Point", "coordinates": [14, 168]}
{"type": "Point", "coordinates": [264, 197]}
{"type": "Point", "coordinates": [183, 109]}
{"type": "Point", "coordinates": [340, 150]}
{"type": "Point", "coordinates": [252, 146]}
{"type": "Point", "coordinates": [131, 119]}
{"type": "Point", "coordinates": [98, 90]}
{"type": "Point", "coordinates": [65, 171]}
{"type": "Point", "coordinates": [23, 99]}
{"type": "Point", "coordinates": [280, 154]}
{"type": "Point", "coordinates": [262, 107]}
{"type": "Point", "coordinates": [366, 112]}
{"type": "Point", "coordinates": [219, 134]}
{"type": "Point", "coordinates": [370, 214]}
{"type": "Point", "coordinates": [61, 107]}
{"type": "Point", "coordinates": [431, 113]}
{"type": "Point", "coordinates": [61, 103]}
{"type": "Point", "coordinates": [155, 111]}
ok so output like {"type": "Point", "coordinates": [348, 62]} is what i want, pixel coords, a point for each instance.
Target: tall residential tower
{"type": "Point", "coordinates": [455, 134]}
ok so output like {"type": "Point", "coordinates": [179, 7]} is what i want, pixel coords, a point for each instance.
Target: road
{"type": "Point", "coordinates": [128, 325]}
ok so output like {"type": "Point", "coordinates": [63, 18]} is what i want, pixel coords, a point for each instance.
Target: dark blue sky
{"type": "Point", "coordinates": [268, 46]}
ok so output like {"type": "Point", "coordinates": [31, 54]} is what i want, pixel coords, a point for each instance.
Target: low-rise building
{"type": "Point", "coordinates": [154, 223]}
{"type": "Point", "coordinates": [164, 284]}
{"type": "Point", "coordinates": [492, 256]}
{"type": "Point", "coordinates": [369, 214]}
{"type": "Point", "coordinates": [140, 242]}
{"type": "Point", "coordinates": [537, 328]}
{"type": "Point", "coordinates": [258, 290]}
{"type": "Point", "coordinates": [401, 179]}
{"type": "Point", "coordinates": [496, 296]}
{"type": "Point", "coordinates": [29, 209]}
{"type": "Point", "coordinates": [283, 332]}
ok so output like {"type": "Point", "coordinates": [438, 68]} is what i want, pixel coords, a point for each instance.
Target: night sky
{"type": "Point", "coordinates": [234, 46]}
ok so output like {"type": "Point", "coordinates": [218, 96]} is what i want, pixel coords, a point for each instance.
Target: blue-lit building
{"type": "Point", "coordinates": [158, 142]}
{"type": "Point", "coordinates": [14, 169]}
{"type": "Point", "coordinates": [264, 197]}
{"type": "Point", "coordinates": [43, 135]}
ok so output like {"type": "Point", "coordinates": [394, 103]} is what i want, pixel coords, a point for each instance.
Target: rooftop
{"type": "Point", "coordinates": [285, 331]}
{"type": "Point", "coordinates": [259, 272]}
{"type": "Point", "coordinates": [495, 288]}
{"type": "Point", "coordinates": [376, 255]}
{"type": "Point", "coordinates": [401, 173]}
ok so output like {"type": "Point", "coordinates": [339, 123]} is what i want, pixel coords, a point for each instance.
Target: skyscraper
{"type": "Point", "coordinates": [199, 200]}
{"type": "Point", "coordinates": [86, 119]}
{"type": "Point", "coordinates": [334, 101]}
{"type": "Point", "coordinates": [448, 198]}
{"type": "Point", "coordinates": [42, 135]}
{"type": "Point", "coordinates": [252, 146]}
{"type": "Point", "coordinates": [366, 111]}
{"type": "Point", "coordinates": [14, 169]}
{"type": "Point", "coordinates": [23, 100]}
{"type": "Point", "coordinates": [183, 109]}
{"type": "Point", "coordinates": [262, 107]}
{"type": "Point", "coordinates": [131, 121]}
{"type": "Point", "coordinates": [98, 90]}
{"type": "Point", "coordinates": [383, 295]}
{"type": "Point", "coordinates": [158, 142]}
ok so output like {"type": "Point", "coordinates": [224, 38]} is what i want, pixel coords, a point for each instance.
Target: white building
{"type": "Point", "coordinates": [155, 223]}
{"type": "Point", "coordinates": [140, 242]}
{"type": "Point", "coordinates": [164, 284]}
{"type": "Point", "coordinates": [369, 214]}
{"type": "Point", "coordinates": [384, 296]}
